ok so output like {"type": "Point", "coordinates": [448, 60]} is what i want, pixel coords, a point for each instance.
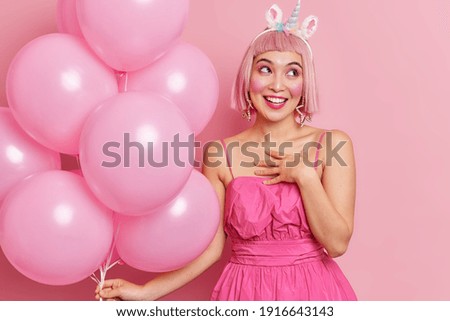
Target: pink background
{"type": "Point", "coordinates": [384, 70]}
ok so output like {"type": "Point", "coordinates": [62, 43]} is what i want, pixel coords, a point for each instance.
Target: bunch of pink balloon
{"type": "Point", "coordinates": [118, 89]}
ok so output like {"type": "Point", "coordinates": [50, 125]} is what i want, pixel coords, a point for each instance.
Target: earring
{"type": "Point", "coordinates": [301, 117]}
{"type": "Point", "coordinates": [247, 112]}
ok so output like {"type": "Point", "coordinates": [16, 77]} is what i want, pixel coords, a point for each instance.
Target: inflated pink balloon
{"type": "Point", "coordinates": [53, 230]}
{"type": "Point", "coordinates": [127, 154]}
{"type": "Point", "coordinates": [187, 77]}
{"type": "Point", "coordinates": [20, 155]}
{"type": "Point", "coordinates": [131, 34]}
{"type": "Point", "coordinates": [66, 17]}
{"type": "Point", "coordinates": [175, 234]}
{"type": "Point", "coordinates": [52, 85]}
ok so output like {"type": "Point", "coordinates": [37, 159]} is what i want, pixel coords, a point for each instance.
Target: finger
{"type": "Point", "coordinates": [273, 153]}
{"type": "Point", "coordinates": [112, 283]}
{"type": "Point", "coordinates": [260, 163]}
{"type": "Point", "coordinates": [272, 181]}
{"type": "Point", "coordinates": [110, 293]}
{"type": "Point", "coordinates": [271, 162]}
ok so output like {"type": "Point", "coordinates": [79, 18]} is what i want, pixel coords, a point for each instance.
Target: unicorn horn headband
{"type": "Point", "coordinates": [274, 17]}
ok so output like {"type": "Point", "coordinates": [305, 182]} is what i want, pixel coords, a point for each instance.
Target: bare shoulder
{"type": "Point", "coordinates": [214, 153]}
{"type": "Point", "coordinates": [214, 161]}
{"type": "Point", "coordinates": [338, 138]}
{"type": "Point", "coordinates": [340, 135]}
{"type": "Point", "coordinates": [338, 148]}
{"type": "Point", "coordinates": [316, 132]}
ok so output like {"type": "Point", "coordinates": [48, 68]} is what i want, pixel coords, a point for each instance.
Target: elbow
{"type": "Point", "coordinates": [215, 253]}
{"type": "Point", "coordinates": [339, 245]}
{"type": "Point", "coordinates": [216, 256]}
{"type": "Point", "coordinates": [338, 249]}
{"type": "Point", "coordinates": [215, 249]}
{"type": "Point", "coordinates": [336, 252]}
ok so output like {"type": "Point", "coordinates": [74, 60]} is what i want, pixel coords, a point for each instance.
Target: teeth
{"type": "Point", "coordinates": [276, 100]}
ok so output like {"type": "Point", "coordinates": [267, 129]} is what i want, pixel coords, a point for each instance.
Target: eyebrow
{"type": "Point", "coordinates": [270, 62]}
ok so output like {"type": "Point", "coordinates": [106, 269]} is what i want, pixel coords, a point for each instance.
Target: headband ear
{"type": "Point", "coordinates": [309, 27]}
{"type": "Point", "coordinates": [274, 17]}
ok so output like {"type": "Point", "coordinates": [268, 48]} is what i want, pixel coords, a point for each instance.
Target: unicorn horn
{"type": "Point", "coordinates": [293, 19]}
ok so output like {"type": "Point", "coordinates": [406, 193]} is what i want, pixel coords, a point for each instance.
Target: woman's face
{"type": "Point", "coordinates": [276, 83]}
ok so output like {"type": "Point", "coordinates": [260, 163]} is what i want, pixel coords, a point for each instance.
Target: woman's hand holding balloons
{"type": "Point", "coordinates": [118, 289]}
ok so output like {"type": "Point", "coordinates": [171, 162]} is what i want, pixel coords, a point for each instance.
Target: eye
{"type": "Point", "coordinates": [293, 73]}
{"type": "Point", "coordinates": [264, 70]}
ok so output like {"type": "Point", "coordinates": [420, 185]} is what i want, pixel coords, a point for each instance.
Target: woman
{"type": "Point", "coordinates": [287, 190]}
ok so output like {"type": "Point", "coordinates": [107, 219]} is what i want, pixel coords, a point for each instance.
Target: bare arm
{"type": "Point", "coordinates": [168, 282]}
{"type": "Point", "coordinates": [330, 204]}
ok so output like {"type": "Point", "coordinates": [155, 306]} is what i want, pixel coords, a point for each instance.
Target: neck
{"type": "Point", "coordinates": [280, 131]}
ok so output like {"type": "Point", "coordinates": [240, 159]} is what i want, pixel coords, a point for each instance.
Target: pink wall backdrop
{"type": "Point", "coordinates": [384, 70]}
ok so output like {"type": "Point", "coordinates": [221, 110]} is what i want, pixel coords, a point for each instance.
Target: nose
{"type": "Point", "coordinates": [277, 84]}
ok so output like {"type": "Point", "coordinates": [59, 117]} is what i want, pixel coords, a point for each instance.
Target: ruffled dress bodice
{"type": "Point", "coordinates": [274, 254]}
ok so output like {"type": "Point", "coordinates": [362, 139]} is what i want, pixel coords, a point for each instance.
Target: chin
{"type": "Point", "coordinates": [276, 118]}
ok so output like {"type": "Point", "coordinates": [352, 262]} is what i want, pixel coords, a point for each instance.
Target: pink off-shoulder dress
{"type": "Point", "coordinates": [274, 254]}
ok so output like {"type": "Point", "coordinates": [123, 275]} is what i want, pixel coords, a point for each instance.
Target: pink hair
{"type": "Point", "coordinates": [276, 41]}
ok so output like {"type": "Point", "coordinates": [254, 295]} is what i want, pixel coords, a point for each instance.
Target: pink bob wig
{"type": "Point", "coordinates": [276, 41]}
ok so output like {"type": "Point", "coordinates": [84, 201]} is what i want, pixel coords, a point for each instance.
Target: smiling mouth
{"type": "Point", "coordinates": [275, 102]}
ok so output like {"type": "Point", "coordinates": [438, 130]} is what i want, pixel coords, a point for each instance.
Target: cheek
{"type": "Point", "coordinates": [297, 90]}
{"type": "Point", "coordinates": [256, 85]}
